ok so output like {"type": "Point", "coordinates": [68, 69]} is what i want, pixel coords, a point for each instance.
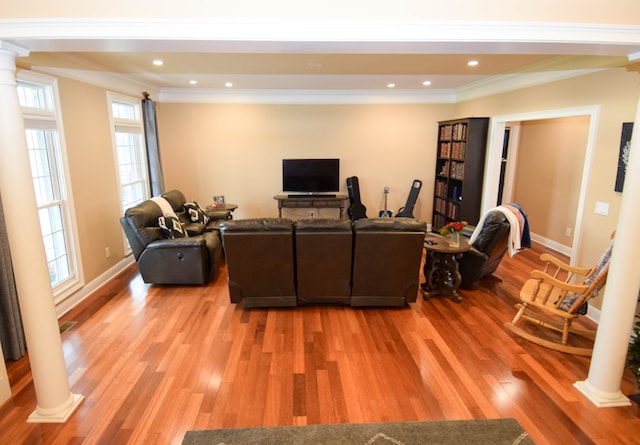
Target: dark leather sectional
{"type": "Point", "coordinates": [276, 262]}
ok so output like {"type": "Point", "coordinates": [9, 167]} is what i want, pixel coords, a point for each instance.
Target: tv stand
{"type": "Point", "coordinates": [312, 201]}
{"type": "Point", "coordinates": [311, 195]}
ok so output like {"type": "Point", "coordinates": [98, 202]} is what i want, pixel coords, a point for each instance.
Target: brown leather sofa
{"type": "Point", "coordinates": [189, 260]}
{"type": "Point", "coordinates": [260, 265]}
{"type": "Point", "coordinates": [386, 261]}
{"type": "Point", "coordinates": [372, 262]}
{"type": "Point", "coordinates": [324, 252]}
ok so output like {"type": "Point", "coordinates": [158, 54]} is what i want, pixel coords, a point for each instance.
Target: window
{"type": "Point", "coordinates": [37, 95]}
{"type": "Point", "coordinates": [130, 155]}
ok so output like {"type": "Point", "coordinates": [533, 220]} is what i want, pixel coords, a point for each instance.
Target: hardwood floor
{"type": "Point", "coordinates": [153, 362]}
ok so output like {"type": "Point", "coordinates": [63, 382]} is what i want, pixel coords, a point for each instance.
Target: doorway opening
{"type": "Point", "coordinates": [494, 191]}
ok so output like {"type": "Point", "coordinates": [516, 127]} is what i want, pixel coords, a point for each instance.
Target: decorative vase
{"type": "Point", "coordinates": [454, 239]}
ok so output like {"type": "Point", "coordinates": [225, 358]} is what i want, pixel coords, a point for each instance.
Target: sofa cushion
{"type": "Point", "coordinates": [176, 199]}
{"type": "Point", "coordinates": [171, 227]}
{"type": "Point", "coordinates": [257, 225]}
{"type": "Point", "coordinates": [323, 225]}
{"type": "Point", "coordinates": [389, 225]}
{"type": "Point", "coordinates": [196, 213]}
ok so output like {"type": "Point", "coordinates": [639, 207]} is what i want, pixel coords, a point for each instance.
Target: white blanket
{"type": "Point", "coordinates": [165, 206]}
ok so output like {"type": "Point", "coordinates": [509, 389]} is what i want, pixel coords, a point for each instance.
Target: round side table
{"type": "Point", "coordinates": [441, 267]}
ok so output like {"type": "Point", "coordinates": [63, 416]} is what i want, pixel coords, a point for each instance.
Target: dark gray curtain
{"type": "Point", "coordinates": [156, 177]}
{"type": "Point", "coordinates": [11, 331]}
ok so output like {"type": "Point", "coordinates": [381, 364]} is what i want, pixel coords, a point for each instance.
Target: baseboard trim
{"type": "Point", "coordinates": [77, 297]}
{"type": "Point", "coordinates": [553, 245]}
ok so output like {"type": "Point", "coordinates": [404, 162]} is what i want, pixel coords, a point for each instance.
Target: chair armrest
{"type": "Point", "coordinates": [545, 277]}
{"type": "Point", "coordinates": [545, 257]}
{"type": "Point", "coordinates": [472, 250]}
{"type": "Point", "coordinates": [177, 243]}
{"type": "Point", "coordinates": [218, 214]}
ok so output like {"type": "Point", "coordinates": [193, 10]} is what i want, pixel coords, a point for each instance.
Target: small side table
{"type": "Point", "coordinates": [441, 267]}
{"type": "Point", "coordinates": [227, 207]}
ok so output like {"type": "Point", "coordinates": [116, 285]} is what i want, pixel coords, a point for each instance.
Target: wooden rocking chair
{"type": "Point", "coordinates": [549, 299]}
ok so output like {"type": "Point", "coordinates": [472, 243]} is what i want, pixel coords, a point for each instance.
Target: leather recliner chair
{"type": "Point", "coordinates": [260, 264]}
{"type": "Point", "coordinates": [488, 249]}
{"type": "Point", "coordinates": [386, 261]}
{"type": "Point", "coordinates": [323, 252]}
{"type": "Point", "coordinates": [190, 260]}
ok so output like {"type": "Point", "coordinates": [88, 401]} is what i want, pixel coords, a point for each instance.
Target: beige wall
{"type": "Point", "coordinates": [616, 92]}
{"type": "Point", "coordinates": [596, 11]}
{"type": "Point", "coordinates": [93, 177]}
{"type": "Point", "coordinates": [237, 150]}
{"type": "Point", "coordinates": [549, 168]}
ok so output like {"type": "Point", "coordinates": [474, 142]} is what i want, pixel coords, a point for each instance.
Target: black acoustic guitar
{"type": "Point", "coordinates": [356, 209]}
{"type": "Point", "coordinates": [407, 210]}
{"type": "Point", "coordinates": [385, 213]}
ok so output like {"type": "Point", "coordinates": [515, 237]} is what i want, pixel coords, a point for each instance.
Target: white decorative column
{"type": "Point", "coordinates": [608, 362]}
{"type": "Point", "coordinates": [5, 389]}
{"type": "Point", "coordinates": [55, 402]}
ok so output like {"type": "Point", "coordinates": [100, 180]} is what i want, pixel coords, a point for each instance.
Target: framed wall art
{"type": "Point", "coordinates": [623, 156]}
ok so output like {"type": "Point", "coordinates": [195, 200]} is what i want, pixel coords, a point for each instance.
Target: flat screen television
{"type": "Point", "coordinates": [310, 175]}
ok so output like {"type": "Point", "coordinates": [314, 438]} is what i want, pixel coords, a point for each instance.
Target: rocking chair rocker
{"type": "Point", "coordinates": [549, 301]}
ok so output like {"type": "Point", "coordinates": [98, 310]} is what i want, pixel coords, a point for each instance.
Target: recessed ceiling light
{"type": "Point", "coordinates": [228, 84]}
{"type": "Point", "coordinates": [158, 62]}
{"type": "Point", "coordinates": [391, 85]}
{"type": "Point", "coordinates": [426, 83]}
{"type": "Point", "coordinates": [472, 63]}
{"type": "Point", "coordinates": [193, 82]}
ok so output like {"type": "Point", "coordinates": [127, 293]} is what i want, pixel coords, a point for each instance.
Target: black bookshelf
{"type": "Point", "coordinates": [459, 172]}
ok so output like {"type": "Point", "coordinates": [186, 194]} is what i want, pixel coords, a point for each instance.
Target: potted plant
{"type": "Point", "coordinates": [633, 356]}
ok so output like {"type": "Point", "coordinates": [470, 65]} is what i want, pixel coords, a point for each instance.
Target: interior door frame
{"type": "Point", "coordinates": [494, 155]}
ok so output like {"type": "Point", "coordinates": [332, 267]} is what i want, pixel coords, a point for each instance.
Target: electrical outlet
{"type": "Point", "coordinates": [568, 231]}
{"type": "Point", "coordinates": [107, 252]}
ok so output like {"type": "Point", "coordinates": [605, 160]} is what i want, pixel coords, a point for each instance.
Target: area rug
{"type": "Point", "coordinates": [493, 432]}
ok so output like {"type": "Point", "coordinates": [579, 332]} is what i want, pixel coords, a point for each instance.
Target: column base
{"type": "Point", "coordinates": [58, 415]}
{"type": "Point", "coordinates": [599, 398]}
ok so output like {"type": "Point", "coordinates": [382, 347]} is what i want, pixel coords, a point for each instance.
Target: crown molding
{"type": "Point", "coordinates": [110, 81]}
{"type": "Point", "coordinates": [486, 87]}
{"type": "Point", "coordinates": [148, 34]}
{"type": "Point", "coordinates": [201, 95]}
{"type": "Point", "coordinates": [511, 82]}
{"type": "Point", "coordinates": [16, 49]}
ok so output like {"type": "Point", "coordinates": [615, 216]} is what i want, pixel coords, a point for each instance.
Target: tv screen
{"type": "Point", "coordinates": [310, 175]}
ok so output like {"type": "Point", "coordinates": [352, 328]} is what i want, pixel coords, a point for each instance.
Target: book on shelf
{"type": "Point", "coordinates": [457, 170]}
{"type": "Point", "coordinates": [445, 149]}
{"type": "Point", "coordinates": [458, 150]}
{"type": "Point", "coordinates": [445, 132]}
{"type": "Point", "coordinates": [444, 168]}
{"type": "Point", "coordinates": [459, 131]}
{"type": "Point", "coordinates": [452, 211]}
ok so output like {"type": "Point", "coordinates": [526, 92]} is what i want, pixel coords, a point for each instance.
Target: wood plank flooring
{"type": "Point", "coordinates": [154, 362]}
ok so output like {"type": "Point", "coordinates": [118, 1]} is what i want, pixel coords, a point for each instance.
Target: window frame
{"type": "Point", "coordinates": [51, 119]}
{"type": "Point", "coordinates": [136, 126]}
